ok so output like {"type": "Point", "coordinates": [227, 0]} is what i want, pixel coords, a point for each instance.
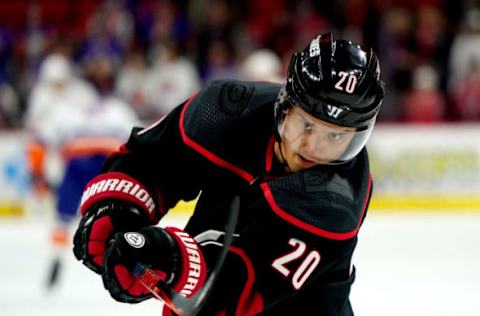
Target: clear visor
{"type": "Point", "coordinates": [317, 141]}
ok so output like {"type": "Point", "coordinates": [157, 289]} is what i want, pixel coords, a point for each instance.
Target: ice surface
{"type": "Point", "coordinates": [410, 264]}
{"type": "Point", "coordinates": [407, 264]}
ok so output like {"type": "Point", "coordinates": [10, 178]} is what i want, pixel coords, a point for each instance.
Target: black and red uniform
{"type": "Point", "coordinates": [296, 231]}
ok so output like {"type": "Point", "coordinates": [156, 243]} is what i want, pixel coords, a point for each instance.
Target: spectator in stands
{"type": "Point", "coordinates": [6, 53]}
{"type": "Point", "coordinates": [130, 83]}
{"type": "Point", "coordinates": [215, 39]}
{"type": "Point", "coordinates": [217, 34]}
{"type": "Point", "coordinates": [430, 33]}
{"type": "Point", "coordinates": [10, 110]}
{"type": "Point", "coordinates": [432, 42]}
{"type": "Point", "coordinates": [262, 65]}
{"type": "Point", "coordinates": [109, 33]}
{"type": "Point", "coordinates": [169, 23]}
{"type": "Point", "coordinates": [396, 50]}
{"type": "Point", "coordinates": [100, 71]}
{"type": "Point", "coordinates": [171, 80]}
{"type": "Point", "coordinates": [424, 103]}
{"type": "Point", "coordinates": [37, 36]}
{"type": "Point", "coordinates": [466, 95]}
{"type": "Point", "coordinates": [9, 106]}
{"type": "Point", "coordinates": [464, 67]}
{"type": "Point", "coordinates": [220, 63]}
{"type": "Point", "coordinates": [465, 48]}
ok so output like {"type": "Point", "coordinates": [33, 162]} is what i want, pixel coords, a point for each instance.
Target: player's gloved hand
{"type": "Point", "coordinates": [112, 202]}
{"type": "Point", "coordinates": [170, 252]}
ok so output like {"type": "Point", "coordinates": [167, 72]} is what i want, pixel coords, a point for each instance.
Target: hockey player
{"type": "Point", "coordinates": [56, 87]}
{"type": "Point", "coordinates": [303, 181]}
{"type": "Point", "coordinates": [68, 120]}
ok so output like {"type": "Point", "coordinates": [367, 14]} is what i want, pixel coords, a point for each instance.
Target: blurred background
{"type": "Point", "coordinates": [73, 68]}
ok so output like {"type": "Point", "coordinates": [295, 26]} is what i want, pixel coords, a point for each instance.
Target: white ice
{"type": "Point", "coordinates": [407, 264]}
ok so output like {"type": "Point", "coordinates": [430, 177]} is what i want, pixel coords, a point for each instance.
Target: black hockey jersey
{"type": "Point", "coordinates": [296, 231]}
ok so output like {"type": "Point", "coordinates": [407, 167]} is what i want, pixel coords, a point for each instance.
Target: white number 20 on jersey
{"type": "Point", "coordinates": [306, 267]}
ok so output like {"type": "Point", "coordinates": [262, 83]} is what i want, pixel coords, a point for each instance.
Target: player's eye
{"type": "Point", "coordinates": [334, 136]}
{"type": "Point", "coordinates": [307, 125]}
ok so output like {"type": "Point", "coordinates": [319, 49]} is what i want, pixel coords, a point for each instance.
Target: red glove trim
{"type": "Point", "coordinates": [101, 230]}
{"type": "Point", "coordinates": [117, 185]}
{"type": "Point", "coordinates": [194, 268]}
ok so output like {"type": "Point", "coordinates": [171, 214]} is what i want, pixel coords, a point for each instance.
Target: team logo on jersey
{"type": "Point", "coordinates": [235, 97]}
{"type": "Point", "coordinates": [333, 111]}
{"type": "Point", "coordinates": [135, 240]}
{"type": "Point", "coordinates": [314, 182]}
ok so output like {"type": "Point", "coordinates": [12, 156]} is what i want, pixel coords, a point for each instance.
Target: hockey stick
{"type": "Point", "coordinates": [175, 301]}
{"type": "Point", "coordinates": [54, 272]}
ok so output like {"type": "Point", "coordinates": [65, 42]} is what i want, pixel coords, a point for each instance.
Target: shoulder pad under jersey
{"type": "Point", "coordinates": [328, 202]}
{"type": "Point", "coordinates": [229, 122]}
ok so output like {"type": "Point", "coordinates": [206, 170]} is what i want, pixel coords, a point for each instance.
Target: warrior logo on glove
{"type": "Point", "coordinates": [135, 240]}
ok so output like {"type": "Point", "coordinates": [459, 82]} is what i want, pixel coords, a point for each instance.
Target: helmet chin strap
{"type": "Point", "coordinates": [280, 111]}
{"type": "Point", "coordinates": [283, 160]}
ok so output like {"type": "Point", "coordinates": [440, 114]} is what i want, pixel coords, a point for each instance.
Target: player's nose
{"type": "Point", "coordinates": [312, 145]}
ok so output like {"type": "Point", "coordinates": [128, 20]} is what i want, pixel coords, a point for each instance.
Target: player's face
{"type": "Point", "coordinates": [308, 141]}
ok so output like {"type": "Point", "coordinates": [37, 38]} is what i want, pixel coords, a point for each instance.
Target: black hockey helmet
{"type": "Point", "coordinates": [337, 82]}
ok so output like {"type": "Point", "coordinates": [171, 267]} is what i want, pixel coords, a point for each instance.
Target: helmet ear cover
{"type": "Point", "coordinates": [282, 104]}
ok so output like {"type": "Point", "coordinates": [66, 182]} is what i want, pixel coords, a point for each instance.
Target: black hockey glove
{"type": "Point", "coordinates": [112, 202]}
{"type": "Point", "coordinates": [172, 254]}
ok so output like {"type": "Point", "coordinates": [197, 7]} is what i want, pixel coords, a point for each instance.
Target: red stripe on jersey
{"type": "Point", "coordinates": [311, 228]}
{"type": "Point", "coordinates": [269, 157]}
{"type": "Point", "coordinates": [123, 149]}
{"type": "Point", "coordinates": [205, 152]}
{"type": "Point", "coordinates": [248, 304]}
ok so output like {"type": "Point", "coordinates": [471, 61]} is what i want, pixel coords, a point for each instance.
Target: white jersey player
{"type": "Point", "coordinates": [69, 120]}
